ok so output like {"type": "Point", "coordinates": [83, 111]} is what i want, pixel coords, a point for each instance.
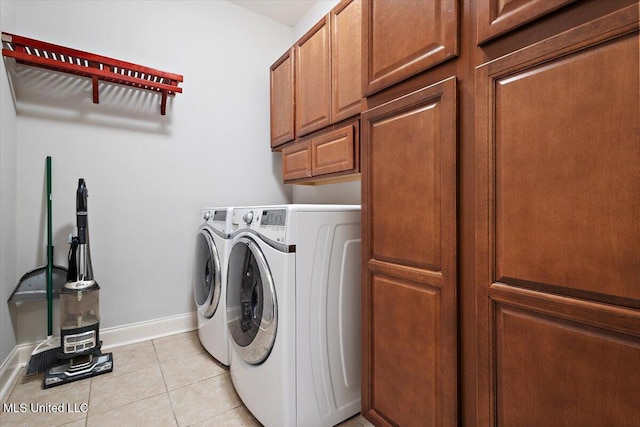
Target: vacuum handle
{"type": "Point", "coordinates": [81, 211]}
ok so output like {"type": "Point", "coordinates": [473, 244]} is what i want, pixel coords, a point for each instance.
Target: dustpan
{"type": "Point", "coordinates": [33, 285]}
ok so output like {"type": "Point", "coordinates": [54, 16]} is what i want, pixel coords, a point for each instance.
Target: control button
{"type": "Point", "coordinates": [248, 217]}
{"type": "Point", "coordinates": [207, 215]}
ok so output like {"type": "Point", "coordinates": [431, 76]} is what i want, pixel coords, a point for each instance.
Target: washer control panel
{"type": "Point", "coordinates": [216, 218]}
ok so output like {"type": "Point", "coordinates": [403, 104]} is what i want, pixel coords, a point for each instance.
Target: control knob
{"type": "Point", "coordinates": [207, 215]}
{"type": "Point", "coordinates": [248, 217]}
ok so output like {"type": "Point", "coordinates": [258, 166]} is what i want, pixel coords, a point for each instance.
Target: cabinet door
{"type": "Point", "coordinates": [313, 79]}
{"type": "Point", "coordinates": [558, 229]}
{"type": "Point", "coordinates": [346, 59]}
{"type": "Point", "coordinates": [404, 37]}
{"type": "Point", "coordinates": [296, 161]}
{"type": "Point", "coordinates": [409, 373]}
{"type": "Point", "coordinates": [282, 101]}
{"type": "Point", "coordinates": [496, 17]}
{"type": "Point", "coordinates": [334, 152]}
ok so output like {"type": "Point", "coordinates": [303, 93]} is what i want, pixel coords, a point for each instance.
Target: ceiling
{"type": "Point", "coordinates": [287, 12]}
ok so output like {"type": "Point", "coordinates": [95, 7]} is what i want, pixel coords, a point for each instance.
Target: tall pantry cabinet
{"type": "Point", "coordinates": [501, 212]}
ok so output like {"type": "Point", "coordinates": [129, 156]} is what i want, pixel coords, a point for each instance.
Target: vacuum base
{"type": "Point", "coordinates": [65, 373]}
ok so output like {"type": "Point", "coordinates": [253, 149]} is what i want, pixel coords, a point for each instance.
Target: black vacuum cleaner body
{"type": "Point", "coordinates": [80, 345]}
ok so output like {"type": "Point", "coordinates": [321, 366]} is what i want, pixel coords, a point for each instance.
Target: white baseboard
{"type": "Point", "coordinates": [148, 330]}
{"type": "Point", "coordinates": [111, 337]}
{"type": "Point", "coordinates": [9, 370]}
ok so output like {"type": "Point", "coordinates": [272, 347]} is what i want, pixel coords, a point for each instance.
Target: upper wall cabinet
{"type": "Point", "coordinates": [496, 17]}
{"type": "Point", "coordinates": [313, 79]}
{"type": "Point", "coordinates": [328, 77]}
{"type": "Point", "coordinates": [346, 60]}
{"type": "Point", "coordinates": [332, 154]}
{"type": "Point", "coordinates": [282, 100]}
{"type": "Point", "coordinates": [318, 81]}
{"type": "Point", "coordinates": [401, 38]}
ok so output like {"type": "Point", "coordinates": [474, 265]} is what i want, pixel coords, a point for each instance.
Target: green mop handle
{"type": "Point", "coordinates": [49, 254]}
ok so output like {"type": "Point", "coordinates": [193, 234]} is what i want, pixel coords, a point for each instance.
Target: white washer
{"type": "Point", "coordinates": [293, 308]}
{"type": "Point", "coordinates": [213, 244]}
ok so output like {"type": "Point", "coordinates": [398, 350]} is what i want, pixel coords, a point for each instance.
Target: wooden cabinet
{"type": "Point", "coordinates": [313, 79]}
{"type": "Point", "coordinates": [326, 81]}
{"type": "Point", "coordinates": [346, 60]}
{"type": "Point", "coordinates": [282, 99]}
{"type": "Point", "coordinates": [296, 161]}
{"type": "Point", "coordinates": [328, 76]}
{"type": "Point", "coordinates": [409, 259]}
{"type": "Point", "coordinates": [401, 38]}
{"type": "Point", "coordinates": [332, 153]}
{"type": "Point", "coordinates": [501, 217]}
{"type": "Point", "coordinates": [558, 229]}
{"type": "Point", "coordinates": [496, 17]}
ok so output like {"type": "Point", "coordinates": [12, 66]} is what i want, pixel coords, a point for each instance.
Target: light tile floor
{"type": "Point", "coordinates": [170, 381]}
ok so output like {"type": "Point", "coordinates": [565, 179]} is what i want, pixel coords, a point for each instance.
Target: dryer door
{"type": "Point", "coordinates": [207, 286]}
{"type": "Point", "coordinates": [252, 312]}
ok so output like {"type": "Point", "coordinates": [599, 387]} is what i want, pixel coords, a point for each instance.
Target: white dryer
{"type": "Point", "coordinates": [213, 243]}
{"type": "Point", "coordinates": [293, 309]}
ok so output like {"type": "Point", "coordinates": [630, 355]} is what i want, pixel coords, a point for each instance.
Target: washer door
{"type": "Point", "coordinates": [252, 312]}
{"type": "Point", "coordinates": [207, 286]}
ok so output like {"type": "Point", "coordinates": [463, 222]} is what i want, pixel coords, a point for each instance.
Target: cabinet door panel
{"type": "Point", "coordinates": [333, 152]}
{"type": "Point", "coordinates": [313, 79]}
{"type": "Point", "coordinates": [282, 100]}
{"type": "Point", "coordinates": [346, 60]}
{"type": "Point", "coordinates": [405, 375]}
{"type": "Point", "coordinates": [409, 260]}
{"type": "Point", "coordinates": [496, 17]}
{"type": "Point", "coordinates": [407, 179]}
{"type": "Point", "coordinates": [558, 213]}
{"type": "Point", "coordinates": [568, 172]}
{"type": "Point", "coordinates": [296, 161]}
{"type": "Point", "coordinates": [574, 373]}
{"type": "Point", "coordinates": [404, 37]}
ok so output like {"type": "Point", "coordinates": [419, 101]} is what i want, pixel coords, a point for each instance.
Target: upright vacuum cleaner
{"type": "Point", "coordinates": [79, 311]}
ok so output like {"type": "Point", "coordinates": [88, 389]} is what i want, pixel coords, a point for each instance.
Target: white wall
{"type": "Point", "coordinates": [8, 212]}
{"type": "Point", "coordinates": [349, 192]}
{"type": "Point", "coordinates": [313, 15]}
{"type": "Point", "coordinates": [147, 174]}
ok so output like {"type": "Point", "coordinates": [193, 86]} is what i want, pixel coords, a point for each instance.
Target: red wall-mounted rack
{"type": "Point", "coordinates": [97, 67]}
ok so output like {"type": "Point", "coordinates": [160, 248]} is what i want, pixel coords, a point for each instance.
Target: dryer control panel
{"type": "Point", "coordinates": [274, 217]}
{"type": "Point", "coordinates": [269, 223]}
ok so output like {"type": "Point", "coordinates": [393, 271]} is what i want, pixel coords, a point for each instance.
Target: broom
{"type": "Point", "coordinates": [45, 354]}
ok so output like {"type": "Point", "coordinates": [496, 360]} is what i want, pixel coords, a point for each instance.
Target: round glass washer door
{"type": "Point", "coordinates": [252, 312]}
{"type": "Point", "coordinates": [207, 286]}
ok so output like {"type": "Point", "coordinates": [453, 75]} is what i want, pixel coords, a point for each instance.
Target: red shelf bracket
{"type": "Point", "coordinates": [59, 58]}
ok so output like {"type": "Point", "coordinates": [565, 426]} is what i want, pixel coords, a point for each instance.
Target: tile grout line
{"type": "Point", "coordinates": [131, 402]}
{"type": "Point", "coordinates": [86, 418]}
{"type": "Point", "coordinates": [91, 393]}
{"type": "Point", "coordinates": [173, 412]}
